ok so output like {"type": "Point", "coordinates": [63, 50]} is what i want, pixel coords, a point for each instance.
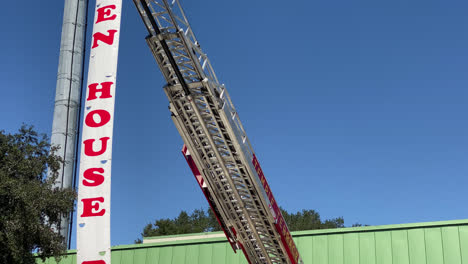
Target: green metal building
{"type": "Point", "coordinates": [421, 243]}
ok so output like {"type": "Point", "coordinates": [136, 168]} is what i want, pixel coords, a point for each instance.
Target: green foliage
{"type": "Point", "coordinates": [197, 222]}
{"type": "Point", "coordinates": [358, 225]}
{"type": "Point", "coordinates": [28, 199]}
{"type": "Point", "coordinates": [310, 220]}
{"type": "Point", "coordinates": [201, 221]}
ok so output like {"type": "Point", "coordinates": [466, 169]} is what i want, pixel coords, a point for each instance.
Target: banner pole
{"type": "Point", "coordinates": [94, 192]}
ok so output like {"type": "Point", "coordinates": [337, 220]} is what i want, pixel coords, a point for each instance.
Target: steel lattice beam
{"type": "Point", "coordinates": [215, 138]}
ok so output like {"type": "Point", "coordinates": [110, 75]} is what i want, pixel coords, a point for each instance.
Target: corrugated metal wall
{"type": "Point", "coordinates": [435, 243]}
{"type": "Point", "coordinates": [422, 243]}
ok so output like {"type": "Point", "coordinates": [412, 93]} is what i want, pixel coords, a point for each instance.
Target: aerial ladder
{"type": "Point", "coordinates": [216, 146]}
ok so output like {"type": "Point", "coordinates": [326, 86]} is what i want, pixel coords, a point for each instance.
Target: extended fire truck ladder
{"type": "Point", "coordinates": [216, 146]}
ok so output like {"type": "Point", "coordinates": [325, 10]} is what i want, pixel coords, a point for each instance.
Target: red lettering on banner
{"type": "Point", "coordinates": [104, 12]}
{"type": "Point", "coordinates": [105, 90]}
{"type": "Point", "coordinates": [94, 262]}
{"type": "Point", "coordinates": [108, 39]}
{"type": "Point", "coordinates": [92, 203]}
{"type": "Point", "coordinates": [88, 147]}
{"type": "Point", "coordinates": [92, 177]}
{"type": "Point", "coordinates": [104, 117]}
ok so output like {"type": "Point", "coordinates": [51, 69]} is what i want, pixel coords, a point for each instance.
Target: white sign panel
{"type": "Point", "coordinates": [93, 225]}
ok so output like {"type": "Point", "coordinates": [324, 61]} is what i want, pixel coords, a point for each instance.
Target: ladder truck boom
{"type": "Point", "coordinates": [216, 146]}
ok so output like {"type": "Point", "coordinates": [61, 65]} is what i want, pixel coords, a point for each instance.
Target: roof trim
{"type": "Point", "coordinates": [210, 236]}
{"type": "Point", "coordinates": [381, 228]}
{"type": "Point", "coordinates": [184, 235]}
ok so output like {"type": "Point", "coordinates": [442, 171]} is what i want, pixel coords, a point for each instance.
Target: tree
{"type": "Point", "coordinates": [309, 220]}
{"type": "Point", "coordinates": [30, 207]}
{"type": "Point", "coordinates": [199, 221]}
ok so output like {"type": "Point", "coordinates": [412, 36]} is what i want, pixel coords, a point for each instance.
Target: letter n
{"type": "Point", "coordinates": [108, 39]}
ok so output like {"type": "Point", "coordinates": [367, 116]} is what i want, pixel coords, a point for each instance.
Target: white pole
{"type": "Point", "coordinates": [93, 214]}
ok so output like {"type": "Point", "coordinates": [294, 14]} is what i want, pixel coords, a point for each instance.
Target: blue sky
{"type": "Point", "coordinates": [354, 108]}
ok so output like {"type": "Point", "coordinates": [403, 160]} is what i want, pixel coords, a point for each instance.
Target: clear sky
{"type": "Point", "coordinates": [354, 108]}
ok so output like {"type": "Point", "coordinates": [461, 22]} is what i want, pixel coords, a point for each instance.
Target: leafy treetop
{"type": "Point", "coordinates": [30, 207]}
{"type": "Point", "coordinates": [205, 221]}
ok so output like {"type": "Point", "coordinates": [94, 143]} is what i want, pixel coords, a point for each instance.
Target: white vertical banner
{"type": "Point", "coordinates": [93, 225]}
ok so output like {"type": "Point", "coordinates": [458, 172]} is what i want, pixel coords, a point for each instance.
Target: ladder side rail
{"type": "Point", "coordinates": [177, 13]}
{"type": "Point", "coordinates": [196, 62]}
{"type": "Point", "coordinates": [226, 175]}
{"type": "Point", "coordinates": [166, 72]}
{"type": "Point", "coordinates": [203, 186]}
{"type": "Point", "coordinates": [209, 71]}
{"type": "Point", "coordinates": [249, 157]}
{"type": "Point", "coordinates": [249, 153]}
{"type": "Point", "coordinates": [187, 35]}
{"type": "Point", "coordinates": [179, 126]}
{"type": "Point", "coordinates": [196, 158]}
{"type": "Point", "coordinates": [160, 61]}
{"type": "Point", "coordinates": [201, 164]}
{"type": "Point", "coordinates": [262, 239]}
{"type": "Point", "coordinates": [244, 145]}
{"type": "Point", "coordinates": [165, 47]}
{"type": "Point", "coordinates": [253, 225]}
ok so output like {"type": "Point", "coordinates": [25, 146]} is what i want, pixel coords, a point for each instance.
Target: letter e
{"type": "Point", "coordinates": [92, 203]}
{"type": "Point", "coordinates": [104, 12]}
